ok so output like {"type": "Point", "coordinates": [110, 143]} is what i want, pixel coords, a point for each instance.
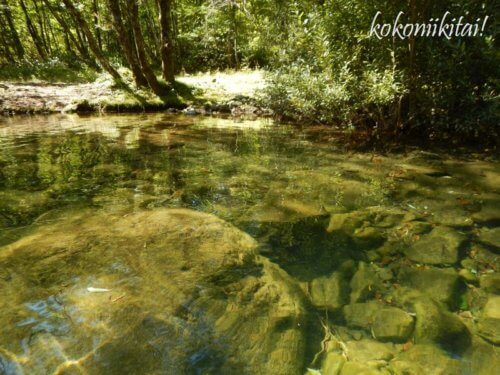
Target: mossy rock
{"type": "Point", "coordinates": [489, 214]}
{"type": "Point", "coordinates": [425, 359]}
{"type": "Point", "coordinates": [482, 358]}
{"type": "Point", "coordinates": [434, 324]}
{"type": "Point", "coordinates": [441, 284]}
{"type": "Point", "coordinates": [490, 237]}
{"type": "Point", "coordinates": [442, 245]}
{"type": "Point", "coordinates": [385, 323]}
{"type": "Point", "coordinates": [489, 329]}
{"type": "Point", "coordinates": [392, 324]}
{"type": "Point", "coordinates": [332, 364]}
{"type": "Point", "coordinates": [331, 292]}
{"type": "Point", "coordinates": [356, 368]}
{"type": "Point", "coordinates": [365, 282]}
{"type": "Point", "coordinates": [490, 282]}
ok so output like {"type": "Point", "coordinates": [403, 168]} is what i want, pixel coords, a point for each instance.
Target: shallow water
{"type": "Point", "coordinates": [224, 246]}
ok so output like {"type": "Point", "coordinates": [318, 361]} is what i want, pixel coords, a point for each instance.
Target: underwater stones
{"type": "Point", "coordinates": [441, 246]}
{"type": "Point", "coordinates": [356, 368]}
{"type": "Point", "coordinates": [368, 237]}
{"type": "Point", "coordinates": [365, 283]}
{"type": "Point", "coordinates": [425, 359]}
{"type": "Point", "coordinates": [386, 323]}
{"type": "Point", "coordinates": [392, 324]}
{"type": "Point", "coordinates": [329, 292]}
{"type": "Point", "coordinates": [174, 275]}
{"type": "Point", "coordinates": [435, 325]}
{"type": "Point", "coordinates": [376, 216]}
{"type": "Point", "coordinates": [369, 350]}
{"type": "Point", "coordinates": [483, 358]}
{"type": "Point", "coordinates": [361, 315]}
{"type": "Point", "coordinates": [490, 237]}
{"type": "Point", "coordinates": [441, 284]}
{"type": "Point", "coordinates": [468, 276]}
{"type": "Point", "coordinates": [452, 217]}
{"type": "Point", "coordinates": [492, 307]}
{"type": "Point", "coordinates": [490, 282]}
{"type": "Point", "coordinates": [301, 208]}
{"type": "Point", "coordinates": [346, 222]}
{"type": "Point", "coordinates": [489, 329]}
{"type": "Point", "coordinates": [332, 364]}
{"type": "Point", "coordinates": [489, 212]}
{"type": "Point", "coordinates": [486, 260]}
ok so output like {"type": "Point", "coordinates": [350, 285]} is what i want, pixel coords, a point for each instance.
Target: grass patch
{"type": "Point", "coordinates": [51, 71]}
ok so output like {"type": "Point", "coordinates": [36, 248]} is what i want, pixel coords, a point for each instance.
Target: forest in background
{"type": "Point", "coordinates": [322, 64]}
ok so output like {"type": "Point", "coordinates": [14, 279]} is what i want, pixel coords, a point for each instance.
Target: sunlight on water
{"type": "Point", "coordinates": [171, 244]}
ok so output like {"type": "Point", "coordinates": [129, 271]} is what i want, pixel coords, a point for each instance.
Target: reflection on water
{"type": "Point", "coordinates": [167, 244]}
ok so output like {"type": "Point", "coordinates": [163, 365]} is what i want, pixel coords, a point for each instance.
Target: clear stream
{"type": "Point", "coordinates": [166, 244]}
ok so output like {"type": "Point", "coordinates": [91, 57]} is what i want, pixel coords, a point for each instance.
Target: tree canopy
{"type": "Point", "coordinates": [324, 64]}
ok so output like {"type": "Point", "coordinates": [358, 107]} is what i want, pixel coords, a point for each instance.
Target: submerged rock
{"type": "Point", "coordinates": [365, 283]}
{"type": "Point", "coordinates": [188, 293]}
{"type": "Point", "coordinates": [361, 315]}
{"type": "Point", "coordinates": [490, 282]}
{"type": "Point", "coordinates": [356, 368]}
{"type": "Point", "coordinates": [329, 292]}
{"type": "Point", "coordinates": [441, 246]}
{"type": "Point", "coordinates": [386, 323]}
{"type": "Point", "coordinates": [425, 359]}
{"type": "Point", "coordinates": [482, 358]}
{"type": "Point", "coordinates": [492, 307]}
{"type": "Point", "coordinates": [332, 363]}
{"type": "Point", "coordinates": [392, 324]}
{"type": "Point", "coordinates": [441, 284]}
{"type": "Point", "coordinates": [434, 324]}
{"type": "Point", "coordinates": [489, 329]}
{"type": "Point", "coordinates": [491, 237]}
{"type": "Point", "coordinates": [370, 350]}
{"type": "Point", "coordinates": [489, 212]}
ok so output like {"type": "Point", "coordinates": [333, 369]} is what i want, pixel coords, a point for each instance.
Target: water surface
{"type": "Point", "coordinates": [156, 244]}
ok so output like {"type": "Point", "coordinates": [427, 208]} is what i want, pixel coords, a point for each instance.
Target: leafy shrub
{"type": "Point", "coordinates": [343, 98]}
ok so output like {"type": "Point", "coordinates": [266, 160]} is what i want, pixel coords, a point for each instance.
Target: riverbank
{"type": "Point", "coordinates": [231, 92]}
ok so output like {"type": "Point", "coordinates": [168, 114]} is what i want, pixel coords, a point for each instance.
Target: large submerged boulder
{"type": "Point", "coordinates": [168, 290]}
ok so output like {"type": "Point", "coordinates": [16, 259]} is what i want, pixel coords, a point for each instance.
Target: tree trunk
{"type": "Point", "coordinates": [126, 44]}
{"type": "Point", "coordinates": [141, 53]}
{"type": "Point", "coordinates": [4, 45]}
{"type": "Point", "coordinates": [167, 47]}
{"type": "Point", "coordinates": [84, 53]}
{"type": "Point", "coordinates": [13, 32]}
{"type": "Point", "coordinates": [94, 47]}
{"type": "Point", "coordinates": [33, 32]}
{"type": "Point", "coordinates": [40, 15]}
{"type": "Point", "coordinates": [96, 24]}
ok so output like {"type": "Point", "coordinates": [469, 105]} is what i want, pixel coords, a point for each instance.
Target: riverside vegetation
{"type": "Point", "coordinates": [177, 244]}
{"type": "Point", "coordinates": [322, 64]}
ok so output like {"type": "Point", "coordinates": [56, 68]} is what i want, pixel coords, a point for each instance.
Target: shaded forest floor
{"type": "Point", "coordinates": [223, 92]}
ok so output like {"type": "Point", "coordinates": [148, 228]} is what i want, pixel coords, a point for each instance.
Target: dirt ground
{"type": "Point", "coordinates": [47, 97]}
{"type": "Point", "coordinates": [37, 97]}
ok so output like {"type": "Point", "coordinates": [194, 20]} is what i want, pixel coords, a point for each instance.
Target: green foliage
{"type": "Point", "coordinates": [324, 67]}
{"type": "Point", "coordinates": [51, 71]}
{"type": "Point", "coordinates": [342, 97]}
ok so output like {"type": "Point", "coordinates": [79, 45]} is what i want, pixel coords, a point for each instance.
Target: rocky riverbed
{"type": "Point", "coordinates": [195, 245]}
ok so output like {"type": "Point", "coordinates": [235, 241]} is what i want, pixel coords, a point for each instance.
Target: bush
{"type": "Point", "coordinates": [344, 98]}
